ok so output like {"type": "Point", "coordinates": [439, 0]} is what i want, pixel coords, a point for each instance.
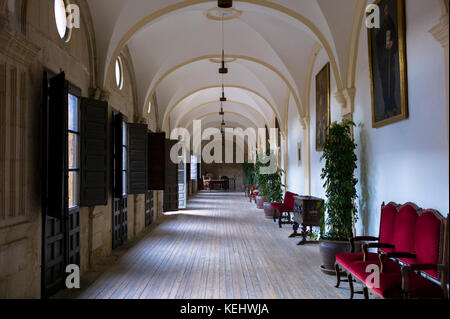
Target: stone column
{"type": "Point", "coordinates": [306, 125]}
{"type": "Point", "coordinates": [440, 33]}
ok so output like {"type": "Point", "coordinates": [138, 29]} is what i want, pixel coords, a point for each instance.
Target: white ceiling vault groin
{"type": "Point", "coordinates": [172, 41]}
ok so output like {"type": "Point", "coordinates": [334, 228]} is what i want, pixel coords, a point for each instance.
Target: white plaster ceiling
{"type": "Point", "coordinates": [171, 42]}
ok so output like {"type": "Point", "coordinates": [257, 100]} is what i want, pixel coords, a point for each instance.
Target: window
{"type": "Point", "coordinates": [194, 168]}
{"type": "Point", "coordinates": [119, 73]}
{"type": "Point", "coordinates": [61, 20]}
{"type": "Point", "coordinates": [124, 158]}
{"type": "Point", "coordinates": [149, 107]}
{"type": "Point", "coordinates": [73, 150]}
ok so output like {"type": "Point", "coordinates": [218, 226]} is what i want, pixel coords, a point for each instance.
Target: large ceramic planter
{"type": "Point", "coordinates": [328, 251]}
{"type": "Point", "coordinates": [260, 200]}
{"type": "Point", "coordinates": [269, 211]}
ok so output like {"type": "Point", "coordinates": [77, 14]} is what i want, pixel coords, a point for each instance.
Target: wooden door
{"type": "Point", "coordinates": [148, 208]}
{"type": "Point", "coordinates": [120, 200]}
{"type": "Point", "coordinates": [60, 181]}
{"type": "Point", "coordinates": [171, 180]}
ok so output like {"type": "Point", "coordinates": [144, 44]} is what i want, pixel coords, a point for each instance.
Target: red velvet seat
{"type": "Point", "coordinates": [412, 265]}
{"type": "Point", "coordinates": [286, 207]}
{"type": "Point", "coordinates": [344, 261]}
{"type": "Point", "coordinates": [420, 287]}
{"type": "Point", "coordinates": [347, 259]}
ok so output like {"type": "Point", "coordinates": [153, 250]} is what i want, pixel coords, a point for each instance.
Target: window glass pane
{"type": "Point", "coordinates": [73, 189]}
{"type": "Point", "coordinates": [124, 183]}
{"type": "Point", "coordinates": [73, 113]}
{"type": "Point", "coordinates": [124, 158]}
{"type": "Point", "coordinates": [193, 168]}
{"type": "Point", "coordinates": [124, 133]}
{"type": "Point", "coordinates": [60, 17]}
{"type": "Point", "coordinates": [73, 151]}
{"type": "Point", "coordinates": [119, 73]}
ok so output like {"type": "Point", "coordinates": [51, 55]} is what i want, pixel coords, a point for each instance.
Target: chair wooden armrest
{"type": "Point", "coordinates": [365, 248]}
{"type": "Point", "coordinates": [359, 239]}
{"type": "Point", "coordinates": [410, 268]}
{"type": "Point", "coordinates": [383, 256]}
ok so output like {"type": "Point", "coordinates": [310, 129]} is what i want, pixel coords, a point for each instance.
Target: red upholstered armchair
{"type": "Point", "coordinates": [253, 193]}
{"type": "Point", "coordinates": [410, 260]}
{"type": "Point", "coordinates": [284, 209]}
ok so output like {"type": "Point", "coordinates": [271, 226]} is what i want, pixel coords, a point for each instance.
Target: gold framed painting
{"type": "Point", "coordinates": [323, 116]}
{"type": "Point", "coordinates": [387, 64]}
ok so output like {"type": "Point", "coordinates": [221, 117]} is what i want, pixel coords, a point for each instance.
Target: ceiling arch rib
{"type": "Point", "coordinates": [147, 12]}
{"type": "Point", "coordinates": [180, 120]}
{"type": "Point", "coordinates": [307, 16]}
{"type": "Point", "coordinates": [233, 120]}
{"type": "Point", "coordinates": [203, 73]}
{"type": "Point", "coordinates": [204, 94]}
{"type": "Point", "coordinates": [231, 108]}
{"type": "Point", "coordinates": [273, 79]}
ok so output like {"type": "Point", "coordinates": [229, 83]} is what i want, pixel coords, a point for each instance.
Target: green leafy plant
{"type": "Point", "coordinates": [340, 183]}
{"type": "Point", "coordinates": [270, 185]}
{"type": "Point", "coordinates": [274, 191]}
{"type": "Point", "coordinates": [249, 172]}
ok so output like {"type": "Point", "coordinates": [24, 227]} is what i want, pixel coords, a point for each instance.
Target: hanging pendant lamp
{"type": "Point", "coordinates": [225, 4]}
{"type": "Point", "coordinates": [223, 98]}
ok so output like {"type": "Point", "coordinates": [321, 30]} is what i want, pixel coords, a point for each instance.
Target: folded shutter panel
{"type": "Point", "coordinates": [171, 180]}
{"type": "Point", "coordinates": [156, 161]}
{"type": "Point", "coordinates": [137, 159]}
{"type": "Point", "coordinates": [118, 139]}
{"type": "Point", "coordinates": [57, 146]}
{"type": "Point", "coordinates": [94, 153]}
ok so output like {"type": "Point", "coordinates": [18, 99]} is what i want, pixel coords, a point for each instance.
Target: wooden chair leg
{"type": "Point", "coordinates": [350, 283]}
{"type": "Point", "coordinates": [280, 220]}
{"type": "Point", "coordinates": [338, 275]}
{"type": "Point", "coordinates": [366, 293]}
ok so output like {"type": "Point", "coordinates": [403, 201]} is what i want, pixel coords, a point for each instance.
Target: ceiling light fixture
{"type": "Point", "coordinates": [223, 98]}
{"type": "Point", "coordinates": [225, 4]}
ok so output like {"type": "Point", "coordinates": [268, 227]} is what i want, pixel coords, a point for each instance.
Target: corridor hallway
{"type": "Point", "coordinates": [221, 247]}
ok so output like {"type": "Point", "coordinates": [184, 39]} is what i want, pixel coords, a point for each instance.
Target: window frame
{"type": "Point", "coordinates": [68, 31]}
{"type": "Point", "coordinates": [76, 92]}
{"type": "Point", "coordinates": [119, 63]}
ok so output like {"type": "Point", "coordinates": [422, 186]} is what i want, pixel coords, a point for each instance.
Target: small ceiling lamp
{"type": "Point", "coordinates": [223, 98]}
{"type": "Point", "coordinates": [223, 69]}
{"type": "Point", "coordinates": [225, 4]}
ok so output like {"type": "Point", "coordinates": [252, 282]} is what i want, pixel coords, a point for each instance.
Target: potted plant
{"type": "Point", "coordinates": [340, 187]}
{"type": "Point", "coordinates": [261, 181]}
{"type": "Point", "coordinates": [274, 192]}
{"type": "Point", "coordinates": [249, 172]}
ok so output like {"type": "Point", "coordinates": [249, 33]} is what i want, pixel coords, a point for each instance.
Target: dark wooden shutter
{"type": "Point", "coordinates": [171, 180]}
{"type": "Point", "coordinates": [188, 172]}
{"type": "Point", "coordinates": [57, 145]}
{"type": "Point", "coordinates": [137, 159]}
{"type": "Point", "coordinates": [156, 161]}
{"type": "Point", "coordinates": [118, 138]}
{"type": "Point", "coordinates": [94, 153]}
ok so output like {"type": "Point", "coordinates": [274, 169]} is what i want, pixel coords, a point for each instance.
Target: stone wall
{"type": "Point", "coordinates": [29, 43]}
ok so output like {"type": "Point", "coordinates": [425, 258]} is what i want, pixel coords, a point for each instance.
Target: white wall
{"type": "Point", "coordinates": [295, 177]}
{"type": "Point", "coordinates": [408, 160]}
{"type": "Point", "coordinates": [316, 165]}
{"type": "Point", "coordinates": [402, 162]}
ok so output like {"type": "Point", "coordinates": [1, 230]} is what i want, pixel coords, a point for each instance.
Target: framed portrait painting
{"type": "Point", "coordinates": [387, 64]}
{"type": "Point", "coordinates": [323, 117]}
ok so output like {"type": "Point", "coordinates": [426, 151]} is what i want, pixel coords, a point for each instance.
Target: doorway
{"type": "Point", "coordinates": [61, 181]}
{"type": "Point", "coordinates": [120, 198]}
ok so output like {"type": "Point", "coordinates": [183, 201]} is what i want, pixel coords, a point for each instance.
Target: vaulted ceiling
{"type": "Point", "coordinates": [175, 46]}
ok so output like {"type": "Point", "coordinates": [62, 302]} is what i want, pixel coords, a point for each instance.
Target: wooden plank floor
{"type": "Point", "coordinates": [221, 247]}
